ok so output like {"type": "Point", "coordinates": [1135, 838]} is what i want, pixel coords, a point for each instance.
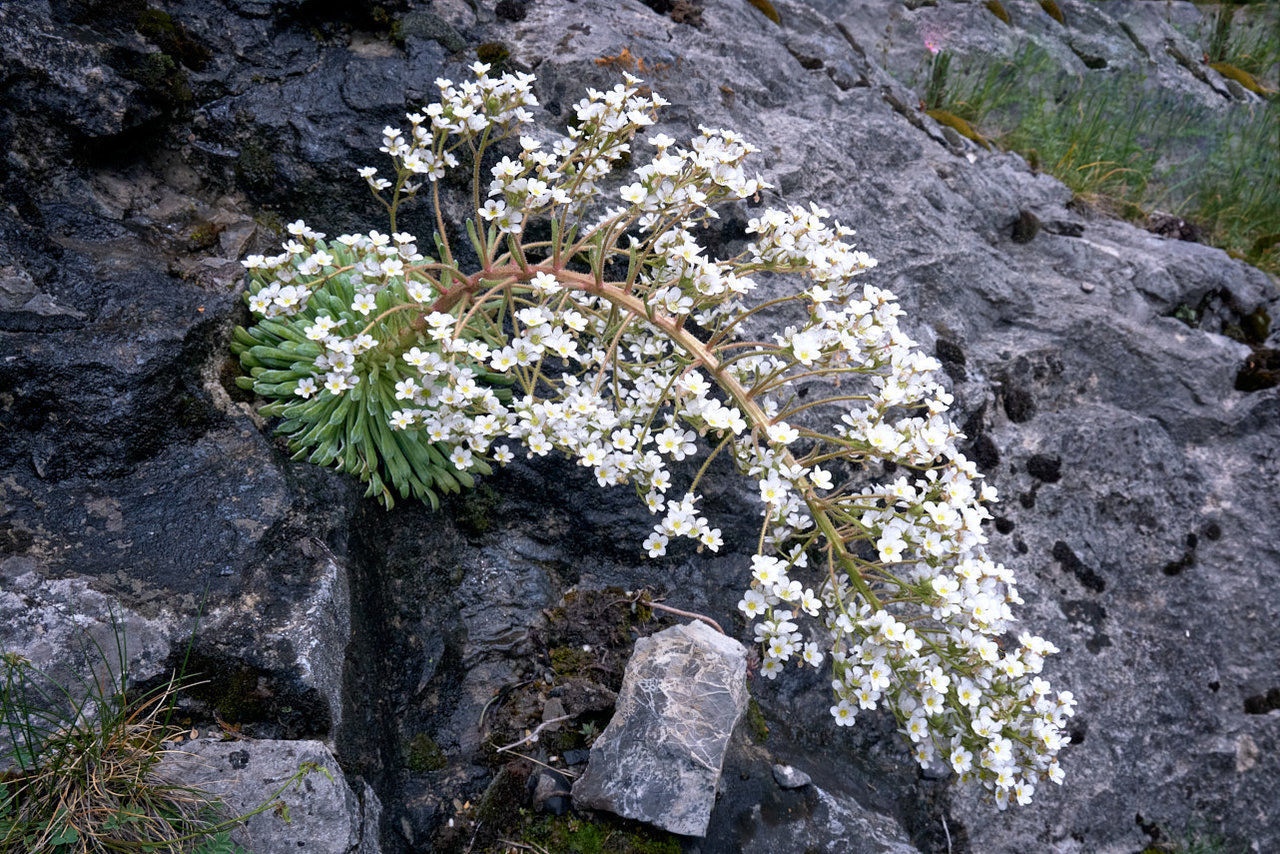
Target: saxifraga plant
{"type": "Point", "coordinates": [618, 342]}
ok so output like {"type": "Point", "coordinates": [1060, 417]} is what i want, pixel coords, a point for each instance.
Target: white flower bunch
{"type": "Point", "coordinates": [621, 343]}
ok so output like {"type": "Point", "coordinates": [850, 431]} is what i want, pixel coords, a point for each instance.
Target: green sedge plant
{"type": "Point", "coordinates": [1126, 145]}
{"type": "Point", "coordinates": [595, 324]}
{"type": "Point", "coordinates": [81, 764]}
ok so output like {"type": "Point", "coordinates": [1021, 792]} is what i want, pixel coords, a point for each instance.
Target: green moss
{"type": "Point", "coordinates": [500, 805]}
{"type": "Point", "coordinates": [475, 513]}
{"type": "Point", "coordinates": [568, 661]}
{"type": "Point", "coordinates": [960, 125]}
{"type": "Point", "coordinates": [996, 8]}
{"type": "Point", "coordinates": [1051, 9]}
{"type": "Point", "coordinates": [155, 24]}
{"type": "Point", "coordinates": [756, 725]}
{"type": "Point", "coordinates": [766, 9]}
{"type": "Point", "coordinates": [255, 167]}
{"type": "Point", "coordinates": [1242, 77]}
{"type": "Point", "coordinates": [159, 28]}
{"type": "Point", "coordinates": [203, 236]}
{"type": "Point", "coordinates": [267, 219]}
{"type": "Point", "coordinates": [1256, 325]}
{"type": "Point", "coordinates": [162, 79]}
{"type": "Point", "coordinates": [597, 834]}
{"type": "Point", "coordinates": [494, 53]}
{"type": "Point", "coordinates": [422, 754]}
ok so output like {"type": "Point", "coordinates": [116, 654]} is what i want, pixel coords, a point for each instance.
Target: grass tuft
{"type": "Point", "coordinates": [1124, 145]}
{"type": "Point", "coordinates": [81, 761]}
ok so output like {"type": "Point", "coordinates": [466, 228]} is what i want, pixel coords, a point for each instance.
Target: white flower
{"type": "Point", "coordinates": [656, 544]}
{"type": "Point", "coordinates": [766, 569]}
{"type": "Point", "coordinates": [752, 604]}
{"type": "Point", "coordinates": [782, 433]}
{"type": "Point", "coordinates": [461, 458]}
{"type": "Point", "coordinates": [711, 538]}
{"type": "Point", "coordinates": [820, 478]}
{"type": "Point", "coordinates": [961, 760]}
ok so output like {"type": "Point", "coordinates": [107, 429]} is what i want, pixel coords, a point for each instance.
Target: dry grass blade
{"type": "Point", "coordinates": [83, 774]}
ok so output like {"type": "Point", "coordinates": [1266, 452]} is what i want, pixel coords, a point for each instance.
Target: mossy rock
{"type": "Point", "coordinates": [996, 8]}
{"type": "Point", "coordinates": [476, 509]}
{"type": "Point", "coordinates": [493, 53]}
{"type": "Point", "coordinates": [607, 623]}
{"type": "Point", "coordinates": [1242, 77]}
{"type": "Point", "coordinates": [155, 23]}
{"type": "Point", "coordinates": [757, 727]}
{"type": "Point", "coordinates": [422, 754]}
{"type": "Point", "coordinates": [162, 79]}
{"type": "Point", "coordinates": [159, 28]}
{"type": "Point", "coordinates": [1053, 11]}
{"type": "Point", "coordinates": [766, 9]}
{"type": "Point", "coordinates": [959, 125]}
{"type": "Point", "coordinates": [255, 168]}
{"type": "Point", "coordinates": [597, 833]}
{"type": "Point", "coordinates": [568, 661]}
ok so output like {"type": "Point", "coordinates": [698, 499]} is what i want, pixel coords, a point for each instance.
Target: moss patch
{"type": "Point", "coordinates": [159, 28]}
{"type": "Point", "coordinates": [494, 53]}
{"type": "Point", "coordinates": [756, 725]}
{"type": "Point", "coordinates": [961, 126]}
{"type": "Point", "coordinates": [1051, 9]}
{"type": "Point", "coordinates": [475, 513]}
{"type": "Point", "coordinates": [1242, 77]}
{"type": "Point", "coordinates": [605, 622]}
{"type": "Point", "coordinates": [255, 167]}
{"type": "Point", "coordinates": [996, 8]}
{"type": "Point", "coordinates": [583, 650]}
{"type": "Point", "coordinates": [596, 834]}
{"type": "Point", "coordinates": [162, 79]}
{"type": "Point", "coordinates": [568, 661]}
{"type": "Point", "coordinates": [422, 754]}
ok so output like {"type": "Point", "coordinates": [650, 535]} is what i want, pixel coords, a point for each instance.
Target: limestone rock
{"type": "Point", "coordinates": [825, 821]}
{"type": "Point", "coordinates": [659, 759]}
{"type": "Point", "coordinates": [764, 812]}
{"type": "Point", "coordinates": [132, 475]}
{"type": "Point", "coordinates": [324, 815]}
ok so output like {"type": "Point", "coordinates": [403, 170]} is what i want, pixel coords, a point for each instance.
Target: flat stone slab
{"type": "Point", "coordinates": [324, 815]}
{"type": "Point", "coordinates": [659, 759]}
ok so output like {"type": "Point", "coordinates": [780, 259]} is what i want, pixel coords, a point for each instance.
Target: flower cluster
{"type": "Point", "coordinates": [548, 347]}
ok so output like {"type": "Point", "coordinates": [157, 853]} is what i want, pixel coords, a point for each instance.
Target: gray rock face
{"type": "Point", "coordinates": [825, 821]}
{"type": "Point", "coordinates": [1140, 486]}
{"type": "Point", "coordinates": [659, 759]}
{"type": "Point", "coordinates": [323, 814]}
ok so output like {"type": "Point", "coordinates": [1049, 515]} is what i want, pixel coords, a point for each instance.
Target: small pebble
{"type": "Point", "coordinates": [790, 778]}
{"type": "Point", "coordinates": [1087, 287]}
